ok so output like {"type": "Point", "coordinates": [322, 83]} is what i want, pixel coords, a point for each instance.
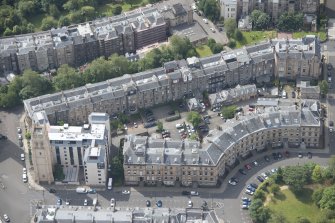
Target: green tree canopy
{"type": "Point", "coordinates": [48, 23]}
{"type": "Point", "coordinates": [317, 175]}
{"type": "Point", "coordinates": [328, 198]}
{"type": "Point", "coordinates": [324, 87]}
{"type": "Point", "coordinates": [228, 112]}
{"type": "Point", "coordinates": [238, 35]}
{"type": "Point", "coordinates": [295, 176]}
{"type": "Point", "coordinates": [194, 118]}
{"type": "Point", "coordinates": [67, 78]}
{"type": "Point", "coordinates": [289, 22]}
{"type": "Point", "coordinates": [210, 8]}
{"type": "Point", "coordinates": [258, 212]}
{"type": "Point", "coordinates": [117, 10]}
{"type": "Point", "coordinates": [230, 27]}
{"type": "Point", "coordinates": [260, 20]}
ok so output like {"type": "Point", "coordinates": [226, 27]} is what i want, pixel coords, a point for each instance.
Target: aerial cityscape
{"type": "Point", "coordinates": [167, 111]}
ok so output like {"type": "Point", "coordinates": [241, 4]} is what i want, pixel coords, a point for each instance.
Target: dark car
{"type": "Point", "coordinates": [159, 203]}
{"type": "Point", "coordinates": [148, 203]}
{"type": "Point", "coordinates": [293, 94]}
{"type": "Point", "coordinates": [51, 190]}
{"type": "Point", "coordinates": [171, 112]}
{"type": "Point", "coordinates": [275, 156]}
{"type": "Point", "coordinates": [260, 179]}
{"type": "Point", "coordinates": [267, 158]}
{"type": "Point", "coordinates": [252, 106]}
{"type": "Point", "coordinates": [309, 155]}
{"type": "Point", "coordinates": [242, 171]}
{"type": "Point", "coordinates": [329, 66]}
{"type": "Point", "coordinates": [254, 185]}
{"type": "Point", "coordinates": [331, 123]}
{"type": "Point", "coordinates": [185, 193]}
{"type": "Point", "coordinates": [3, 136]}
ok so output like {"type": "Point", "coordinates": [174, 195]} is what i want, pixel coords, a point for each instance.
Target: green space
{"type": "Point", "coordinates": [321, 35]}
{"type": "Point", "coordinates": [203, 51]}
{"type": "Point", "coordinates": [302, 204]}
{"type": "Point", "coordinates": [252, 37]}
{"type": "Point", "coordinates": [107, 9]}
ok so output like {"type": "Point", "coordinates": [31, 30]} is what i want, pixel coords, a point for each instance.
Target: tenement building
{"type": "Point", "coordinates": [259, 63]}
{"type": "Point", "coordinates": [71, 147]}
{"type": "Point", "coordinates": [78, 44]}
{"type": "Point", "coordinates": [189, 163]}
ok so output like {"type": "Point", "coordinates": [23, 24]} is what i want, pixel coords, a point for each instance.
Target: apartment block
{"type": "Point", "coordinates": [188, 163]}
{"type": "Point", "coordinates": [258, 63]}
{"type": "Point", "coordinates": [71, 147]}
{"type": "Point", "coordinates": [229, 9]}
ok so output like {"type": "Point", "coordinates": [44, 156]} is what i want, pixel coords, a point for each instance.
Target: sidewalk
{"type": "Point", "coordinates": [30, 169]}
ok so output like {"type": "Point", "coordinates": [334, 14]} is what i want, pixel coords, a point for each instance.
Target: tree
{"type": "Point", "coordinates": [317, 195]}
{"type": "Point", "coordinates": [64, 21]}
{"type": "Point", "coordinates": [278, 218]}
{"type": "Point", "coordinates": [26, 8]}
{"type": "Point", "coordinates": [98, 70]}
{"type": "Point", "coordinates": [180, 46]}
{"type": "Point", "coordinates": [210, 8]}
{"type": "Point", "coordinates": [230, 26]}
{"type": "Point", "coordinates": [27, 135]}
{"type": "Point", "coordinates": [194, 118]}
{"type": "Point", "coordinates": [260, 20]}
{"type": "Point", "coordinates": [54, 11]}
{"type": "Point", "coordinates": [48, 23]}
{"type": "Point", "coordinates": [258, 213]}
{"type": "Point", "coordinates": [218, 47]}
{"type": "Point", "coordinates": [295, 177]}
{"type": "Point", "coordinates": [67, 78]}
{"type": "Point", "coordinates": [131, 2]}
{"type": "Point", "coordinates": [232, 44]}
{"type": "Point", "coordinates": [303, 220]}
{"type": "Point", "coordinates": [238, 35]}
{"type": "Point", "coordinates": [260, 194]}
{"type": "Point", "coordinates": [290, 22]}
{"type": "Point", "coordinates": [323, 87]}
{"type": "Point", "coordinates": [88, 12]}
{"type": "Point", "coordinates": [160, 127]}
{"type": "Point", "coordinates": [274, 188]}
{"type": "Point", "coordinates": [117, 10]}
{"type": "Point", "coordinates": [328, 198]}
{"type": "Point", "coordinates": [317, 175]}
{"type": "Point", "coordinates": [228, 112]}
{"type": "Point", "coordinates": [31, 84]}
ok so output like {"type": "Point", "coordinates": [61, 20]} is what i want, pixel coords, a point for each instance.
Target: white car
{"type": "Point", "coordinates": [205, 21]}
{"type": "Point", "coordinates": [231, 182]}
{"type": "Point", "coordinates": [20, 136]}
{"type": "Point", "coordinates": [67, 202]}
{"type": "Point", "coordinates": [24, 170]}
{"type": "Point", "coordinates": [213, 30]}
{"type": "Point", "coordinates": [190, 204]}
{"type": "Point", "coordinates": [19, 130]}
{"type": "Point", "coordinates": [6, 218]}
{"type": "Point", "coordinates": [135, 125]}
{"type": "Point", "coordinates": [125, 192]}
{"type": "Point", "coordinates": [85, 202]}
{"type": "Point", "coordinates": [125, 127]}
{"type": "Point", "coordinates": [247, 191]}
{"type": "Point", "coordinates": [194, 193]}
{"type": "Point", "coordinates": [22, 156]}
{"type": "Point", "coordinates": [264, 176]}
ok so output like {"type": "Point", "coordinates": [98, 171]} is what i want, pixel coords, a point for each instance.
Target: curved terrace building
{"type": "Point", "coordinates": [185, 162]}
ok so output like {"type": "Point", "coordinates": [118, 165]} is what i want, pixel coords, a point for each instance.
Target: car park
{"type": "Point", "coordinates": [159, 203]}
{"type": "Point", "coordinates": [6, 218]}
{"type": "Point", "coordinates": [147, 203]}
{"type": "Point", "coordinates": [242, 171]}
{"type": "Point", "coordinates": [260, 179]}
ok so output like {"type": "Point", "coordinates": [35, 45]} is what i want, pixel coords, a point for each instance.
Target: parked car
{"type": "Point", "coordinates": [232, 182]}
{"type": "Point", "coordinates": [255, 163]}
{"type": "Point", "coordinates": [3, 137]}
{"type": "Point", "coordinates": [274, 170]}
{"type": "Point", "coordinates": [194, 193]}
{"type": "Point", "coordinates": [135, 125]}
{"type": "Point", "coordinates": [249, 192]}
{"type": "Point", "coordinates": [125, 192]}
{"type": "Point", "coordinates": [92, 191]}
{"type": "Point", "coordinates": [148, 203]}
{"type": "Point", "coordinates": [251, 188]}
{"type": "Point", "coordinates": [260, 179]}
{"type": "Point", "coordinates": [59, 201]}
{"type": "Point", "coordinates": [19, 136]}
{"type": "Point", "coordinates": [85, 202]}
{"type": "Point", "coordinates": [19, 130]}
{"type": "Point", "coordinates": [159, 203]}
{"type": "Point", "coordinates": [205, 21]}
{"type": "Point", "coordinates": [267, 158]}
{"type": "Point", "coordinates": [190, 204]}
{"type": "Point", "coordinates": [22, 157]}
{"type": "Point", "coordinates": [293, 94]}
{"type": "Point", "coordinates": [248, 166]}
{"type": "Point", "coordinates": [279, 155]}
{"type": "Point", "coordinates": [112, 202]}
{"type": "Point", "coordinates": [52, 190]}
{"type": "Point", "coordinates": [6, 218]}
{"type": "Point", "coordinates": [300, 155]}
{"type": "Point", "coordinates": [244, 206]}
{"type": "Point", "coordinates": [185, 193]}
{"type": "Point", "coordinates": [254, 185]}
{"type": "Point", "coordinates": [309, 155]}
{"type": "Point", "coordinates": [246, 199]}
{"type": "Point", "coordinates": [242, 171]}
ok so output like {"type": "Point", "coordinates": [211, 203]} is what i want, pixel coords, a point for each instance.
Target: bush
{"type": "Point", "coordinates": [117, 10]}
{"type": "Point", "coordinates": [232, 44]}
{"type": "Point", "coordinates": [260, 194]}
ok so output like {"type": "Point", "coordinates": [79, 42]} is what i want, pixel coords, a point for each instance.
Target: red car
{"type": "Point", "coordinates": [251, 109]}
{"type": "Point", "coordinates": [247, 166]}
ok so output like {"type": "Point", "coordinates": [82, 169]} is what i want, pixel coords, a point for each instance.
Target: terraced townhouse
{"type": "Point", "coordinates": [188, 163]}
{"type": "Point", "coordinates": [79, 44]}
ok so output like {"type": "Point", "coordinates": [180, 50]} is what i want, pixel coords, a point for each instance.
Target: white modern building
{"type": "Point", "coordinates": [95, 165]}
{"type": "Point", "coordinates": [228, 9]}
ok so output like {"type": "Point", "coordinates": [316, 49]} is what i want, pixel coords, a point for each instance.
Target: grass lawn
{"type": "Point", "coordinates": [321, 35]}
{"type": "Point", "coordinates": [293, 207]}
{"type": "Point", "coordinates": [203, 50]}
{"type": "Point", "coordinates": [255, 37]}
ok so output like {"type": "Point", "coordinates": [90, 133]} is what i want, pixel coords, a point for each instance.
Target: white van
{"type": "Point", "coordinates": [81, 190]}
{"type": "Point", "coordinates": [24, 178]}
